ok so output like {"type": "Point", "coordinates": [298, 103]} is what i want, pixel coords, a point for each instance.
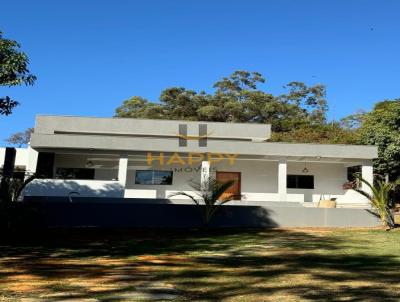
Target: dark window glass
{"type": "Point", "coordinates": [305, 182]}
{"type": "Point", "coordinates": [300, 181]}
{"type": "Point", "coordinates": [75, 173]}
{"type": "Point", "coordinates": [153, 177]}
{"type": "Point", "coordinates": [19, 175]}
{"type": "Point", "coordinates": [351, 171]}
{"type": "Point", "coordinates": [144, 177]}
{"type": "Point", "coordinates": [45, 164]}
{"type": "Point", "coordinates": [291, 181]}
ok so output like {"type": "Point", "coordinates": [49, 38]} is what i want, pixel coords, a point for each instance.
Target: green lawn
{"type": "Point", "coordinates": [270, 265]}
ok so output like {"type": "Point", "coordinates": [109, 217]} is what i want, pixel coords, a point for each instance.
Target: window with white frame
{"type": "Point", "coordinates": [153, 177]}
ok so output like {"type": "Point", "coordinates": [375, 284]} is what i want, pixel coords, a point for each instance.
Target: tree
{"type": "Point", "coordinates": [20, 138]}
{"type": "Point", "coordinates": [13, 71]}
{"type": "Point", "coordinates": [239, 81]}
{"type": "Point", "coordinates": [381, 127]}
{"type": "Point", "coordinates": [309, 100]}
{"type": "Point", "coordinates": [209, 195]}
{"type": "Point", "coordinates": [236, 98]}
{"type": "Point", "coordinates": [138, 107]}
{"type": "Point", "coordinates": [353, 121]}
{"type": "Point", "coordinates": [332, 133]}
{"type": "Point", "coordinates": [381, 199]}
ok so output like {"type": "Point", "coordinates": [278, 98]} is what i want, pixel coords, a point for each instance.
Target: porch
{"type": "Point", "coordinates": [153, 176]}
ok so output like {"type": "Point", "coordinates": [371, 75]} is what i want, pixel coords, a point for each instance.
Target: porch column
{"type": "Point", "coordinates": [282, 179]}
{"type": "Point", "coordinates": [122, 170]}
{"type": "Point", "coordinates": [205, 173]}
{"type": "Point", "coordinates": [367, 173]}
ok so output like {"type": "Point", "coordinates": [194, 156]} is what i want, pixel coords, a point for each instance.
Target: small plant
{"type": "Point", "coordinates": [381, 199]}
{"type": "Point", "coordinates": [14, 214]}
{"type": "Point", "coordinates": [11, 188]}
{"type": "Point", "coordinates": [350, 185]}
{"type": "Point", "coordinates": [209, 194]}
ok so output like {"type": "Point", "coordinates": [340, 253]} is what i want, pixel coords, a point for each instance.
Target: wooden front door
{"type": "Point", "coordinates": [235, 188]}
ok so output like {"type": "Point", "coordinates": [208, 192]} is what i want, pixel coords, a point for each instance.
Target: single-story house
{"type": "Point", "coordinates": [151, 159]}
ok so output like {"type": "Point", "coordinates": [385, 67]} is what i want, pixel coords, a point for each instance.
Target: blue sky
{"type": "Point", "coordinates": [91, 55]}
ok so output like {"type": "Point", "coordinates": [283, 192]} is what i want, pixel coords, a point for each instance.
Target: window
{"type": "Point", "coordinates": [351, 171]}
{"type": "Point", "coordinates": [153, 177]}
{"type": "Point", "coordinates": [300, 181]}
{"type": "Point", "coordinates": [75, 173]}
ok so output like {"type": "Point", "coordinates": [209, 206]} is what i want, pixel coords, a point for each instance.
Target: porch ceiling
{"type": "Point", "coordinates": [109, 157]}
{"type": "Point", "coordinates": [129, 145]}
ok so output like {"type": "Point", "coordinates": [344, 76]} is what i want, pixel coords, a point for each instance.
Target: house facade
{"type": "Point", "coordinates": [152, 159]}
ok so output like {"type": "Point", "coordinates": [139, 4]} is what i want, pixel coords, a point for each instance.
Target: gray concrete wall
{"type": "Point", "coordinates": [108, 212]}
{"type": "Point", "coordinates": [126, 144]}
{"type": "Point", "coordinates": [146, 127]}
{"type": "Point", "coordinates": [124, 135]}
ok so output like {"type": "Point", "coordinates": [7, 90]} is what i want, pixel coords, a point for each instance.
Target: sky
{"type": "Point", "coordinates": [89, 56]}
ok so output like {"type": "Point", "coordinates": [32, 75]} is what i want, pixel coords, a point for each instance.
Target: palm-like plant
{"type": "Point", "coordinates": [12, 188]}
{"type": "Point", "coordinates": [13, 213]}
{"type": "Point", "coordinates": [209, 194]}
{"type": "Point", "coordinates": [381, 198]}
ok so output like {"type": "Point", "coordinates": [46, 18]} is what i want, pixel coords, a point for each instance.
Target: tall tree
{"type": "Point", "coordinates": [239, 81]}
{"type": "Point", "coordinates": [13, 71]}
{"type": "Point", "coordinates": [236, 98]}
{"type": "Point", "coordinates": [138, 107]}
{"type": "Point", "coordinates": [20, 138]}
{"type": "Point", "coordinates": [310, 100]}
{"type": "Point", "coordinates": [381, 127]}
{"type": "Point", "coordinates": [353, 121]}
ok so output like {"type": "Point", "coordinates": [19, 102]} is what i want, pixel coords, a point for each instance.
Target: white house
{"type": "Point", "coordinates": [135, 158]}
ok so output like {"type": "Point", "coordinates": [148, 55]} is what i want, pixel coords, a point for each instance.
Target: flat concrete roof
{"type": "Point", "coordinates": [125, 135]}
{"type": "Point", "coordinates": [47, 124]}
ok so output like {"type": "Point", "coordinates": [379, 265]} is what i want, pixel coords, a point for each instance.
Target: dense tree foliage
{"type": "Point", "coordinates": [331, 133]}
{"type": "Point", "coordinates": [236, 98]}
{"type": "Point", "coordinates": [13, 71]}
{"type": "Point", "coordinates": [381, 127]}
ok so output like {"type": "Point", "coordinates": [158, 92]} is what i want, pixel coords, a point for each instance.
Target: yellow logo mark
{"type": "Point", "coordinates": [190, 159]}
{"type": "Point", "coordinates": [193, 137]}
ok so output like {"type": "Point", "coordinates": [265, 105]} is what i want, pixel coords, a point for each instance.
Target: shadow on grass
{"type": "Point", "coordinates": [211, 266]}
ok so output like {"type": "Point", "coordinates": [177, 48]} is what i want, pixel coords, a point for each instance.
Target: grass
{"type": "Point", "coordinates": [230, 265]}
{"type": "Point", "coordinates": [397, 219]}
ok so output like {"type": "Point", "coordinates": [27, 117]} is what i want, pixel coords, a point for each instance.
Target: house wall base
{"type": "Point", "coordinates": [132, 213]}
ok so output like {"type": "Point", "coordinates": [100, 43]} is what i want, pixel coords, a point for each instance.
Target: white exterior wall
{"type": "Point", "coordinates": [21, 157]}
{"type": "Point", "coordinates": [32, 159]}
{"type": "Point", "coordinates": [259, 180]}
{"type": "Point", "coordinates": [180, 182]}
{"type": "Point", "coordinates": [84, 188]}
{"type": "Point", "coordinates": [328, 181]}
{"type": "Point", "coordinates": [104, 184]}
